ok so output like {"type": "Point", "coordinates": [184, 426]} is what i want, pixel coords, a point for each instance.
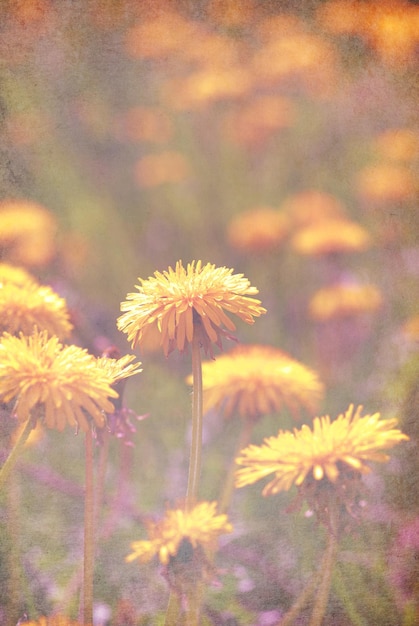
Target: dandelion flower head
{"type": "Point", "coordinates": [26, 306]}
{"type": "Point", "coordinates": [201, 526]}
{"type": "Point", "coordinates": [178, 300]}
{"type": "Point", "coordinates": [256, 380]}
{"type": "Point", "coordinates": [64, 383]}
{"type": "Point", "coordinates": [350, 441]}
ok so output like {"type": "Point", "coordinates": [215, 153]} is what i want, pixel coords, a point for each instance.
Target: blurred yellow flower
{"type": "Point", "coordinates": [257, 230]}
{"type": "Point", "coordinates": [64, 383]}
{"type": "Point", "coordinates": [29, 305]}
{"type": "Point", "coordinates": [390, 28]}
{"type": "Point", "coordinates": [411, 328]}
{"type": "Point", "coordinates": [15, 275]}
{"type": "Point", "coordinates": [312, 207]}
{"type": "Point", "coordinates": [385, 183]}
{"type": "Point", "coordinates": [342, 300]}
{"type": "Point", "coordinates": [177, 301]}
{"type": "Point", "coordinates": [254, 380]}
{"type": "Point", "coordinates": [157, 169]}
{"type": "Point", "coordinates": [350, 441]}
{"type": "Point", "coordinates": [330, 236]}
{"type": "Point", "coordinates": [27, 233]}
{"type": "Point", "coordinates": [397, 144]}
{"type": "Point", "coordinates": [146, 124]}
{"type": "Point", "coordinates": [207, 86]}
{"type": "Point", "coordinates": [252, 124]}
{"type": "Point", "coordinates": [201, 526]}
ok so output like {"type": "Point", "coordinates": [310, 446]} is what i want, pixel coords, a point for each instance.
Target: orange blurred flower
{"type": "Point", "coordinates": [157, 169]}
{"type": "Point", "coordinates": [311, 206]}
{"type": "Point", "coordinates": [390, 27]}
{"type": "Point", "coordinates": [397, 144]}
{"type": "Point", "coordinates": [331, 236]}
{"type": "Point", "coordinates": [27, 233]}
{"type": "Point", "coordinates": [344, 300]}
{"type": "Point", "coordinates": [230, 12]}
{"type": "Point", "coordinates": [384, 183]}
{"type": "Point", "coordinates": [257, 230]}
{"type": "Point", "coordinates": [206, 86]}
{"type": "Point", "coordinates": [255, 122]}
{"type": "Point", "coordinates": [161, 36]}
{"type": "Point", "coordinates": [299, 59]}
{"type": "Point", "coordinates": [148, 124]}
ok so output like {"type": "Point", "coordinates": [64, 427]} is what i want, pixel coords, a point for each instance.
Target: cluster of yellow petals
{"type": "Point", "coordinates": [118, 369]}
{"type": "Point", "coordinates": [28, 305]}
{"type": "Point", "coordinates": [200, 525]}
{"type": "Point", "coordinates": [177, 299]}
{"type": "Point", "coordinates": [65, 383]}
{"type": "Point", "coordinates": [15, 275]}
{"type": "Point", "coordinates": [344, 300]}
{"type": "Point", "coordinates": [256, 380]}
{"type": "Point", "coordinates": [350, 440]}
{"type": "Point", "coordinates": [330, 236]}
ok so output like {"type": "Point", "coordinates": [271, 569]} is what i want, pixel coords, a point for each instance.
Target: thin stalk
{"type": "Point", "coordinates": [15, 451]}
{"type": "Point", "coordinates": [89, 522]}
{"type": "Point", "coordinates": [193, 611]}
{"type": "Point", "coordinates": [301, 601]}
{"type": "Point", "coordinates": [173, 610]}
{"type": "Point", "coordinates": [323, 590]}
{"type": "Point", "coordinates": [195, 459]}
{"type": "Point", "coordinates": [244, 440]}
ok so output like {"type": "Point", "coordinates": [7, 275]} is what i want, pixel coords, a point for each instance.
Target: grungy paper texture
{"type": "Point", "coordinates": [209, 313]}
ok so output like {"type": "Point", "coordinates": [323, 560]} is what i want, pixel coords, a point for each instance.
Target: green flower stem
{"type": "Point", "coordinates": [172, 611]}
{"type": "Point", "coordinates": [244, 440]}
{"type": "Point", "coordinates": [16, 450]}
{"type": "Point", "coordinates": [193, 611]}
{"type": "Point", "coordinates": [323, 590]}
{"type": "Point", "coordinates": [196, 444]}
{"type": "Point", "coordinates": [89, 522]}
{"type": "Point", "coordinates": [301, 601]}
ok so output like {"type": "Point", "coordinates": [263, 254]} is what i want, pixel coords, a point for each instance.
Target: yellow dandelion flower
{"type": "Point", "coordinates": [64, 382]}
{"type": "Point", "coordinates": [350, 441]}
{"type": "Point", "coordinates": [178, 300]}
{"type": "Point", "coordinates": [385, 183]}
{"type": "Point", "coordinates": [344, 300]}
{"type": "Point", "coordinates": [24, 307]}
{"type": "Point", "coordinates": [256, 380]}
{"type": "Point", "coordinates": [15, 275]}
{"type": "Point", "coordinates": [257, 230]}
{"type": "Point", "coordinates": [27, 233]}
{"type": "Point", "coordinates": [331, 236]}
{"type": "Point", "coordinates": [201, 526]}
{"type": "Point", "coordinates": [117, 369]}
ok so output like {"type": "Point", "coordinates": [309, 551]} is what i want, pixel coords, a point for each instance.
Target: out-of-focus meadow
{"type": "Point", "coordinates": [276, 138]}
